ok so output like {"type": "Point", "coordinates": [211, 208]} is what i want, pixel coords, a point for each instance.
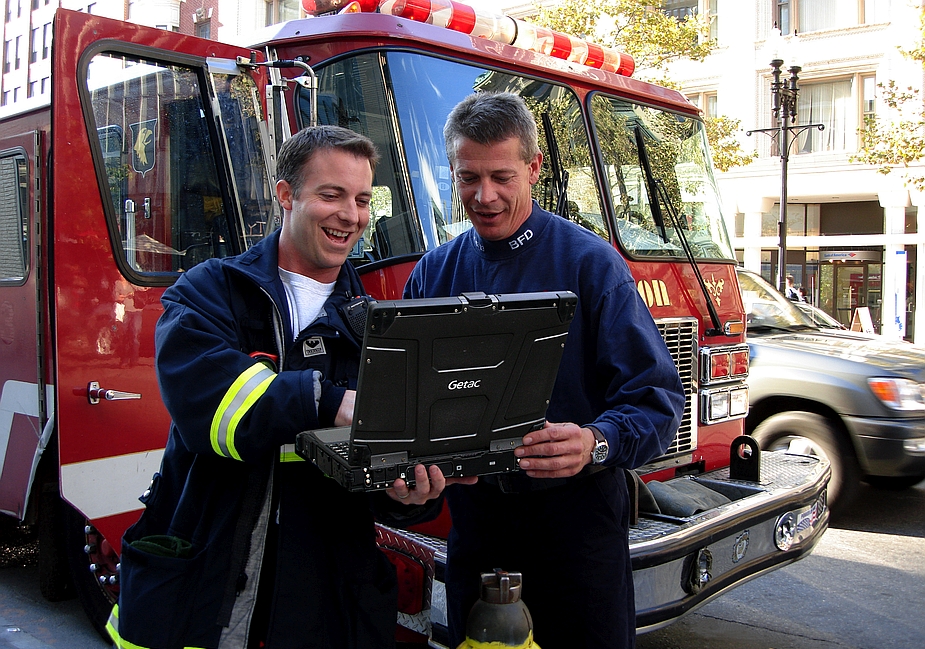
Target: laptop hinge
{"type": "Point", "coordinates": [388, 459]}
{"type": "Point", "coordinates": [505, 444]}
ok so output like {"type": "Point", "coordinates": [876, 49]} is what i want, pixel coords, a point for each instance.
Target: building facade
{"type": "Point", "coordinates": [854, 236]}
{"type": "Point", "coordinates": [27, 33]}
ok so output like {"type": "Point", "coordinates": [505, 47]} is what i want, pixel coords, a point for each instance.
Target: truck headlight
{"type": "Point", "coordinates": [899, 394]}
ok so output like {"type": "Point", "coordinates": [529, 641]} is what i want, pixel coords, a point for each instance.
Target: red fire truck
{"type": "Point", "coordinates": [157, 151]}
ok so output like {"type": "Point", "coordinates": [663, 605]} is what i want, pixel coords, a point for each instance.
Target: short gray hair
{"type": "Point", "coordinates": [299, 149]}
{"type": "Point", "coordinates": [489, 118]}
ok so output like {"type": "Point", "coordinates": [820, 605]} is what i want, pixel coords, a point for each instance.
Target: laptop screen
{"type": "Point", "coordinates": [450, 375]}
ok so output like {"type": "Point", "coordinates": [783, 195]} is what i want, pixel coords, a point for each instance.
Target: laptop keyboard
{"type": "Point", "coordinates": [341, 448]}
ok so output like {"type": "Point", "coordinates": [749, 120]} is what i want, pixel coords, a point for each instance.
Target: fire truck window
{"type": "Point", "coordinates": [240, 117]}
{"type": "Point", "coordinates": [351, 94]}
{"type": "Point", "coordinates": [401, 100]}
{"type": "Point", "coordinates": [14, 223]}
{"type": "Point", "coordinates": [676, 151]}
{"type": "Point", "coordinates": [158, 165]}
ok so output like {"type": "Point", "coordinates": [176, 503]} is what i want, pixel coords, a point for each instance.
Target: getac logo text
{"type": "Point", "coordinates": [462, 385]}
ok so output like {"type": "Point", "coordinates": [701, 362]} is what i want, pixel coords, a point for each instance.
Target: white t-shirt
{"type": "Point", "coordinates": [306, 298]}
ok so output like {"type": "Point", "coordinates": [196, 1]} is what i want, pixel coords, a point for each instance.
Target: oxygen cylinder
{"type": "Point", "coordinates": [500, 619]}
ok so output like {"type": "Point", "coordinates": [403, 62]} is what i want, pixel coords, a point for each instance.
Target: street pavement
{"type": "Point", "coordinates": [862, 588]}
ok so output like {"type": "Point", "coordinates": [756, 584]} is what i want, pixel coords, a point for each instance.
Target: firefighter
{"type": "Point", "coordinates": [563, 521]}
{"type": "Point", "coordinates": [243, 544]}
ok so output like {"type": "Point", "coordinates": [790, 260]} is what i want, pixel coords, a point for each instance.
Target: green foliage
{"type": "Point", "coordinates": [654, 40]}
{"type": "Point", "coordinates": [726, 151]}
{"type": "Point", "coordinates": [897, 140]}
{"type": "Point", "coordinates": [637, 27]}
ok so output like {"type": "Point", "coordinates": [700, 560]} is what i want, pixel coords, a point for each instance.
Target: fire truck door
{"type": "Point", "coordinates": [23, 433]}
{"type": "Point", "coordinates": [143, 191]}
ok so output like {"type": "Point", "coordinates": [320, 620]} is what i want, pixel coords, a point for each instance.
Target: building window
{"type": "Point", "coordinates": [30, 89]}
{"type": "Point", "coordinates": [7, 55]}
{"type": "Point", "coordinates": [45, 85]}
{"type": "Point", "coordinates": [204, 29]}
{"type": "Point", "coordinates": [16, 55]}
{"type": "Point", "coordinates": [868, 98]}
{"type": "Point", "coordinates": [814, 15]}
{"type": "Point", "coordinates": [829, 104]}
{"type": "Point", "coordinates": [9, 10]}
{"type": "Point", "coordinates": [706, 102]}
{"type": "Point", "coordinates": [46, 40]}
{"type": "Point", "coordinates": [5, 99]}
{"type": "Point", "coordinates": [712, 8]}
{"type": "Point", "coordinates": [680, 9]}
{"type": "Point", "coordinates": [91, 8]}
{"type": "Point", "coordinates": [34, 52]}
{"type": "Point", "coordinates": [279, 11]}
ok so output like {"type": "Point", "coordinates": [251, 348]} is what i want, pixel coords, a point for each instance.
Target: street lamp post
{"type": "Point", "coordinates": [784, 93]}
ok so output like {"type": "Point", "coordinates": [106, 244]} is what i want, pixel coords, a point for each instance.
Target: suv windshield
{"type": "Point", "coordinates": [766, 308]}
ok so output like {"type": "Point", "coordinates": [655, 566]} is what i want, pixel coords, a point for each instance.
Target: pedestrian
{"type": "Point", "coordinates": [792, 292]}
{"type": "Point", "coordinates": [563, 520]}
{"type": "Point", "coordinates": [242, 544]}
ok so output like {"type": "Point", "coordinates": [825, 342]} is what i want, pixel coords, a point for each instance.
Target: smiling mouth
{"type": "Point", "coordinates": [336, 234]}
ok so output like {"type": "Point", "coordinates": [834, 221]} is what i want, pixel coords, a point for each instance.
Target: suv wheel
{"type": "Point", "coordinates": [807, 433]}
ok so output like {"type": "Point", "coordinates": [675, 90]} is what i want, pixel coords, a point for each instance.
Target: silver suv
{"type": "Point", "coordinates": [857, 399]}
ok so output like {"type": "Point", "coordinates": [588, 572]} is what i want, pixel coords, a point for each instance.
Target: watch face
{"type": "Point", "coordinates": [599, 454]}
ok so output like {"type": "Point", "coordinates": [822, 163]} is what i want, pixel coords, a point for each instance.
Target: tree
{"type": "Point", "coordinates": [637, 27]}
{"type": "Point", "coordinates": [654, 39]}
{"type": "Point", "coordinates": [898, 140]}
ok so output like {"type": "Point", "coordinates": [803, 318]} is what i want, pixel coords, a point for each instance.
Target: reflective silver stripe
{"type": "Point", "coordinates": [241, 396]}
{"type": "Point", "coordinates": [287, 454]}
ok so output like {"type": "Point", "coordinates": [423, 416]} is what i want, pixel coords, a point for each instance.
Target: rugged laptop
{"type": "Point", "coordinates": [455, 382]}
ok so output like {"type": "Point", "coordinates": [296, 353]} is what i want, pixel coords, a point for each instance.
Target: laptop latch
{"type": "Point", "coordinates": [478, 300]}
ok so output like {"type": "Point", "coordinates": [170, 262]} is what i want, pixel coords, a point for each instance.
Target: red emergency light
{"type": "Point", "coordinates": [503, 29]}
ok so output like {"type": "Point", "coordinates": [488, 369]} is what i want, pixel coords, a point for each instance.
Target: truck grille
{"type": "Point", "coordinates": [680, 335]}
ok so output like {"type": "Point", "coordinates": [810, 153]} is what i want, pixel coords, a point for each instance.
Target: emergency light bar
{"type": "Point", "coordinates": [502, 29]}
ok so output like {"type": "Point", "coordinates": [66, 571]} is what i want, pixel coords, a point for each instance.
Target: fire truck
{"type": "Point", "coordinates": [157, 151]}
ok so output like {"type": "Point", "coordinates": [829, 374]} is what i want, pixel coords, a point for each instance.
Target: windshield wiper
{"type": "Point", "coordinates": [650, 183]}
{"type": "Point", "coordinates": [559, 175]}
{"type": "Point", "coordinates": [657, 194]}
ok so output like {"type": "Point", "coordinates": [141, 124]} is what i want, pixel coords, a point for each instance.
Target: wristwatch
{"type": "Point", "coordinates": [601, 447]}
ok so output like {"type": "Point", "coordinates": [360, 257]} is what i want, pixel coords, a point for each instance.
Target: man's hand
{"type": "Point", "coordinates": [555, 451]}
{"type": "Point", "coordinates": [429, 483]}
{"type": "Point", "coordinates": [344, 416]}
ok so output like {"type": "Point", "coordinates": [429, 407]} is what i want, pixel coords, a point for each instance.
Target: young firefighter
{"type": "Point", "coordinates": [618, 400]}
{"type": "Point", "coordinates": [242, 544]}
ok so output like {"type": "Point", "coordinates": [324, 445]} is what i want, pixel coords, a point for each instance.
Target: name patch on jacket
{"type": "Point", "coordinates": [313, 346]}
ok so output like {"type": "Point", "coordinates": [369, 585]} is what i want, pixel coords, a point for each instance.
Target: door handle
{"type": "Point", "coordinates": [95, 393]}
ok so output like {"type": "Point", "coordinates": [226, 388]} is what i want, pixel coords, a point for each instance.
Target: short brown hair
{"type": "Point", "coordinates": [299, 149]}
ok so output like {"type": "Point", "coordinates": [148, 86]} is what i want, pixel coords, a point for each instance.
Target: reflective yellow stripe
{"type": "Point", "coordinates": [241, 396]}
{"type": "Point", "coordinates": [112, 626]}
{"type": "Point", "coordinates": [287, 454]}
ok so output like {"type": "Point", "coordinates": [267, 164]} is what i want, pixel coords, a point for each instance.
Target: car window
{"type": "Point", "coordinates": [766, 307]}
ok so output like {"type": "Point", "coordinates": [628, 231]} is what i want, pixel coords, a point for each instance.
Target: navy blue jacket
{"type": "Point", "coordinates": [616, 372]}
{"type": "Point", "coordinates": [231, 446]}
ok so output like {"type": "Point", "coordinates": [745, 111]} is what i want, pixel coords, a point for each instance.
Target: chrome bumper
{"type": "Point", "coordinates": [679, 564]}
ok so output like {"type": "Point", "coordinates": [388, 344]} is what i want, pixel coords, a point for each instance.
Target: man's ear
{"type": "Point", "coordinates": [284, 194]}
{"type": "Point", "coordinates": [535, 165]}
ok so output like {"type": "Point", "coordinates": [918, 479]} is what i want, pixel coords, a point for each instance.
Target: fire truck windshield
{"type": "Point", "coordinates": [680, 164]}
{"type": "Point", "coordinates": [401, 100]}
